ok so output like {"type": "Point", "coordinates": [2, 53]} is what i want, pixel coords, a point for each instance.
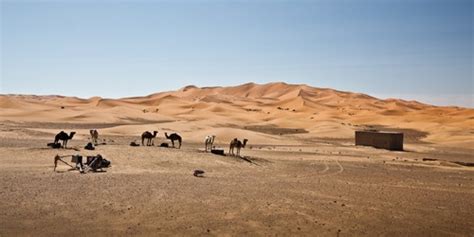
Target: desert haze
{"type": "Point", "coordinates": [302, 173]}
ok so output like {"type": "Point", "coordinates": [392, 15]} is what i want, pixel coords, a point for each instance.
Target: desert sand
{"type": "Point", "coordinates": [305, 175]}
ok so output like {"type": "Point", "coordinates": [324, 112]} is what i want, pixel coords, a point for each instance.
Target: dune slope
{"type": "Point", "coordinates": [320, 112]}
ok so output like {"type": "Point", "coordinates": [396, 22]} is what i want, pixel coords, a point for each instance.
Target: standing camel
{"type": "Point", "coordinates": [174, 137]}
{"type": "Point", "coordinates": [149, 137]}
{"type": "Point", "coordinates": [63, 137]}
{"type": "Point", "coordinates": [94, 136]}
{"type": "Point", "coordinates": [208, 141]}
{"type": "Point", "coordinates": [238, 145]}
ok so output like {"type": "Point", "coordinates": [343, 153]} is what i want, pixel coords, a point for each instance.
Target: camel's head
{"type": "Point", "coordinates": [72, 134]}
{"type": "Point", "coordinates": [210, 137]}
{"type": "Point", "coordinates": [245, 142]}
{"type": "Point", "coordinates": [154, 133]}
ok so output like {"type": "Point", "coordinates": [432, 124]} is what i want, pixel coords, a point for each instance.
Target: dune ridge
{"type": "Point", "coordinates": [323, 112]}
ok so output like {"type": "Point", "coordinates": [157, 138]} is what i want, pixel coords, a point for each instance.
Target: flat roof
{"type": "Point", "coordinates": [387, 132]}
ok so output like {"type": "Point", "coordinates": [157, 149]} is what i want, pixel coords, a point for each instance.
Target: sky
{"type": "Point", "coordinates": [410, 49]}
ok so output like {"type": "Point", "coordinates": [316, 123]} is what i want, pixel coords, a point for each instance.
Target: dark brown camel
{"type": "Point", "coordinates": [174, 137]}
{"type": "Point", "coordinates": [94, 136]}
{"type": "Point", "coordinates": [63, 137]}
{"type": "Point", "coordinates": [147, 135]}
{"type": "Point", "coordinates": [237, 144]}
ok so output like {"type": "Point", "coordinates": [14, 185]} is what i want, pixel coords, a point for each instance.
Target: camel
{"type": "Point", "coordinates": [147, 135]}
{"type": "Point", "coordinates": [94, 136]}
{"type": "Point", "coordinates": [63, 137]}
{"type": "Point", "coordinates": [174, 137]}
{"type": "Point", "coordinates": [238, 145]}
{"type": "Point", "coordinates": [208, 141]}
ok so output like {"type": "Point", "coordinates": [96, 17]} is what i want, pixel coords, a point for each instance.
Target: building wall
{"type": "Point", "coordinates": [385, 140]}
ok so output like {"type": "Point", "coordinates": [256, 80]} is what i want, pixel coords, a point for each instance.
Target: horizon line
{"type": "Point", "coordinates": [378, 97]}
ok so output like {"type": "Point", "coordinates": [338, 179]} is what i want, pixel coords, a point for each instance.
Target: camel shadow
{"type": "Point", "coordinates": [252, 160]}
{"type": "Point", "coordinates": [52, 146]}
{"type": "Point", "coordinates": [69, 170]}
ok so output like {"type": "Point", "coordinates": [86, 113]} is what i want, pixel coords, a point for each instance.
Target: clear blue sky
{"type": "Point", "coordinates": [417, 49]}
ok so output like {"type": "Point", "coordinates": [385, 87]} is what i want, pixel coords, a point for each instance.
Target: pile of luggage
{"type": "Point", "coordinates": [93, 163]}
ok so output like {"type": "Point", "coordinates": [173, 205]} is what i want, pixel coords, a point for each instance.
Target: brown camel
{"type": "Point", "coordinates": [236, 143]}
{"type": "Point", "coordinates": [63, 137]}
{"type": "Point", "coordinates": [174, 137]}
{"type": "Point", "coordinates": [147, 135]}
{"type": "Point", "coordinates": [208, 141]}
{"type": "Point", "coordinates": [94, 136]}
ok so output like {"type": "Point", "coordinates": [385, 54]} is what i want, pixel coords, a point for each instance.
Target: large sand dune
{"type": "Point", "coordinates": [322, 112]}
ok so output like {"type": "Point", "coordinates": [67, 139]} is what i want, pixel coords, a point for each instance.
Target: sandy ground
{"type": "Point", "coordinates": [305, 178]}
{"type": "Point", "coordinates": [326, 188]}
{"type": "Point", "coordinates": [249, 110]}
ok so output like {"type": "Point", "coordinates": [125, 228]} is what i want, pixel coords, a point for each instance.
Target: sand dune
{"type": "Point", "coordinates": [323, 112]}
{"type": "Point", "coordinates": [301, 174]}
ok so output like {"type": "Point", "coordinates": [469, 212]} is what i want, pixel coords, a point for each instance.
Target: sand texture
{"type": "Point", "coordinates": [302, 174]}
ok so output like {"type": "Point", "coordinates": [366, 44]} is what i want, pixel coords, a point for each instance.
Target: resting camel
{"type": "Point", "coordinates": [174, 137]}
{"type": "Point", "coordinates": [238, 145]}
{"type": "Point", "coordinates": [94, 136]}
{"type": "Point", "coordinates": [147, 135]}
{"type": "Point", "coordinates": [208, 141]}
{"type": "Point", "coordinates": [63, 137]}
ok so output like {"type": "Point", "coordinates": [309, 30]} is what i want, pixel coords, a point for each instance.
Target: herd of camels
{"type": "Point", "coordinates": [149, 137]}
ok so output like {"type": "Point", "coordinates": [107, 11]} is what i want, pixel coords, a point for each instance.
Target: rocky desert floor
{"type": "Point", "coordinates": [317, 187]}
